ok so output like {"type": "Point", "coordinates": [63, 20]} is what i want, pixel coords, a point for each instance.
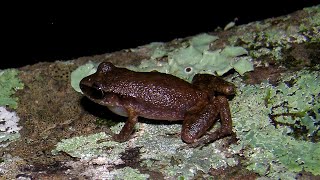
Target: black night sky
{"type": "Point", "coordinates": [48, 33]}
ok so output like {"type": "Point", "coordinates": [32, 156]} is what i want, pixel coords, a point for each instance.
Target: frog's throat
{"type": "Point", "coordinates": [118, 110]}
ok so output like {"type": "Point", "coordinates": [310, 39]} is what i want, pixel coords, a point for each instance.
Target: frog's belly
{"type": "Point", "coordinates": [152, 113]}
{"type": "Point", "coordinates": [118, 110]}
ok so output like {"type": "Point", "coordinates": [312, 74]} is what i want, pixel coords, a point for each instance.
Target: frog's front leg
{"type": "Point", "coordinates": [128, 126]}
{"type": "Point", "coordinates": [196, 124]}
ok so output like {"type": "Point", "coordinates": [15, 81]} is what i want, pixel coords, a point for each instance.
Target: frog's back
{"type": "Point", "coordinates": [153, 89]}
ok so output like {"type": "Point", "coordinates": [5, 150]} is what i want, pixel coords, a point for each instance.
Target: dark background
{"type": "Point", "coordinates": [63, 32]}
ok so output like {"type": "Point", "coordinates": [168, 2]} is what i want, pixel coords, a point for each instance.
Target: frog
{"type": "Point", "coordinates": [160, 96]}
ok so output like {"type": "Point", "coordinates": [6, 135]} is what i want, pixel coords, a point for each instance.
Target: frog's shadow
{"type": "Point", "coordinates": [103, 112]}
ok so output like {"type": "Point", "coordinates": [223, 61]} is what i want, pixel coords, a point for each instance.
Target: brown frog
{"type": "Point", "coordinates": [160, 96]}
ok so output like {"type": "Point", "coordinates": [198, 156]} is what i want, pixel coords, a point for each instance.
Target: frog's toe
{"type": "Point", "coordinates": [187, 138]}
{"type": "Point", "coordinates": [119, 138]}
{"type": "Point", "coordinates": [198, 144]}
{"type": "Point", "coordinates": [192, 145]}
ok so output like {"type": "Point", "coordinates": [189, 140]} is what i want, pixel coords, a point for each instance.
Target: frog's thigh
{"type": "Point", "coordinates": [225, 118]}
{"type": "Point", "coordinates": [197, 122]}
{"type": "Point", "coordinates": [128, 126]}
{"type": "Point", "coordinates": [222, 105]}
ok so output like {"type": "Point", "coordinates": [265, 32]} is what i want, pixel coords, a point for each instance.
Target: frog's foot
{"type": "Point", "coordinates": [196, 144]}
{"type": "Point", "coordinates": [210, 137]}
{"type": "Point", "coordinates": [207, 139]}
{"type": "Point", "coordinates": [226, 124]}
{"type": "Point", "coordinates": [119, 138]}
{"type": "Point", "coordinates": [113, 136]}
{"type": "Point", "coordinates": [192, 145]}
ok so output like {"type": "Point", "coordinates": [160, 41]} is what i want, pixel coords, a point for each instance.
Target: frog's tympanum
{"type": "Point", "coordinates": [160, 96]}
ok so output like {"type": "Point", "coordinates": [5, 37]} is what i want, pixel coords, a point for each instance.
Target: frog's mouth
{"type": "Point", "coordinates": [93, 92]}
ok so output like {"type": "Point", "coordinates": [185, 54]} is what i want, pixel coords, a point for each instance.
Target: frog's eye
{"type": "Point", "coordinates": [105, 67]}
{"type": "Point", "coordinates": [96, 92]}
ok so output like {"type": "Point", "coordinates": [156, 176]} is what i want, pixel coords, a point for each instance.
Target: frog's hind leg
{"type": "Point", "coordinates": [197, 121]}
{"type": "Point", "coordinates": [222, 107]}
{"type": "Point", "coordinates": [225, 119]}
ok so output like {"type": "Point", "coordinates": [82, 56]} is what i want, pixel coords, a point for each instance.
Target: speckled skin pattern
{"type": "Point", "coordinates": [162, 96]}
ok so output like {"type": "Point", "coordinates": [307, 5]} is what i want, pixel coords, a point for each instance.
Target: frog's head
{"type": "Point", "coordinates": [95, 86]}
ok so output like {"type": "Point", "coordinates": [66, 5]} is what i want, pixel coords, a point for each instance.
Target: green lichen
{"type": "Point", "coordinates": [9, 83]}
{"type": "Point", "coordinates": [193, 160]}
{"type": "Point", "coordinates": [81, 72]}
{"type": "Point", "coordinates": [295, 107]}
{"type": "Point", "coordinates": [229, 25]}
{"type": "Point", "coordinates": [9, 129]}
{"type": "Point", "coordinates": [274, 150]}
{"type": "Point", "coordinates": [195, 56]}
{"type": "Point", "coordinates": [155, 140]}
{"type": "Point", "coordinates": [312, 20]}
{"type": "Point", "coordinates": [87, 147]}
{"type": "Point", "coordinates": [159, 148]}
{"type": "Point", "coordinates": [162, 150]}
{"type": "Point", "coordinates": [201, 42]}
{"type": "Point", "coordinates": [273, 40]}
{"type": "Point", "coordinates": [129, 173]}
